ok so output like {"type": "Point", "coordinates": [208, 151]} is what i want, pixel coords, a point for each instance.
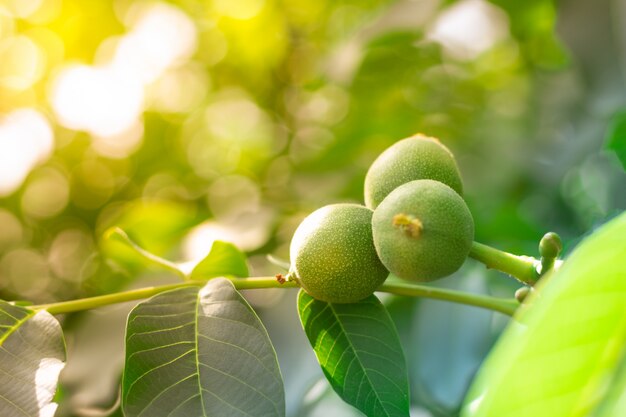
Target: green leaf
{"type": "Point", "coordinates": [616, 137]}
{"type": "Point", "coordinates": [557, 357]}
{"type": "Point", "coordinates": [224, 260]}
{"type": "Point", "coordinates": [32, 354]}
{"type": "Point", "coordinates": [614, 402]}
{"type": "Point", "coordinates": [117, 245]}
{"type": "Point", "coordinates": [157, 225]}
{"type": "Point", "coordinates": [199, 352]}
{"type": "Point", "coordinates": [358, 348]}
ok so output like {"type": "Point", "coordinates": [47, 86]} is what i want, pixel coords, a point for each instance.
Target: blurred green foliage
{"type": "Point", "coordinates": [250, 114]}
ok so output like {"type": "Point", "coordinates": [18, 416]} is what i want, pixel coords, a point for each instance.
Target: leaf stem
{"type": "Point", "coordinates": [140, 293]}
{"type": "Point", "coordinates": [522, 268]}
{"type": "Point", "coordinates": [506, 306]}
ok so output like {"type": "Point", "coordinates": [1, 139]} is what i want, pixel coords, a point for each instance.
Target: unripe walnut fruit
{"type": "Point", "coordinates": [423, 231]}
{"type": "Point", "coordinates": [333, 256]}
{"type": "Point", "coordinates": [414, 158]}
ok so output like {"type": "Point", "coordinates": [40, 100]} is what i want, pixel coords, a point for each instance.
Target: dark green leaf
{"type": "Point", "coordinates": [358, 348]}
{"type": "Point", "coordinates": [32, 354]}
{"type": "Point", "coordinates": [556, 358]}
{"type": "Point", "coordinates": [616, 137]}
{"type": "Point", "coordinates": [224, 260]}
{"type": "Point", "coordinates": [200, 352]}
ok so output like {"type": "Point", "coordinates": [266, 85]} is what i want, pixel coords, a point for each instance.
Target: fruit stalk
{"type": "Point", "coordinates": [522, 268]}
{"type": "Point", "coordinates": [503, 305]}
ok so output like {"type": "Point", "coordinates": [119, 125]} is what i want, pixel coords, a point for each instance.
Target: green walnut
{"type": "Point", "coordinates": [415, 158]}
{"type": "Point", "coordinates": [423, 231]}
{"type": "Point", "coordinates": [333, 256]}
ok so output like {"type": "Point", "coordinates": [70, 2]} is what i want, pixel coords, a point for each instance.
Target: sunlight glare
{"type": "Point", "coordinates": [46, 378]}
{"type": "Point", "coordinates": [22, 62]}
{"type": "Point", "coordinates": [474, 405]}
{"type": "Point", "coordinates": [248, 233]}
{"type": "Point", "coordinates": [469, 28]}
{"type": "Point", "coordinates": [241, 9]}
{"type": "Point", "coordinates": [121, 144]}
{"type": "Point", "coordinates": [107, 100]}
{"type": "Point", "coordinates": [23, 8]}
{"type": "Point", "coordinates": [101, 101]}
{"type": "Point", "coordinates": [7, 23]}
{"type": "Point", "coordinates": [26, 139]}
{"type": "Point", "coordinates": [162, 37]}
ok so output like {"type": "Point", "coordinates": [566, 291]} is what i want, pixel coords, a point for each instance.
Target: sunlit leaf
{"type": "Point", "coordinates": [155, 224]}
{"type": "Point", "coordinates": [224, 260]}
{"type": "Point", "coordinates": [117, 245]}
{"type": "Point", "coordinates": [32, 354]}
{"type": "Point", "coordinates": [614, 402]}
{"type": "Point", "coordinates": [200, 352]}
{"type": "Point", "coordinates": [359, 351]}
{"type": "Point", "coordinates": [556, 358]}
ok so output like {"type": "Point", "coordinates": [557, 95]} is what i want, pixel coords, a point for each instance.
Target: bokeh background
{"type": "Point", "coordinates": [194, 120]}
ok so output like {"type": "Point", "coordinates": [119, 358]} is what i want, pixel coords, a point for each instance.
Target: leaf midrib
{"type": "Point", "coordinates": [18, 324]}
{"type": "Point", "coordinates": [196, 340]}
{"type": "Point", "coordinates": [343, 329]}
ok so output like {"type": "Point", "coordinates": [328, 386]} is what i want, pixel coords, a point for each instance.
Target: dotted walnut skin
{"type": "Point", "coordinates": [414, 158]}
{"type": "Point", "coordinates": [333, 256]}
{"type": "Point", "coordinates": [445, 237]}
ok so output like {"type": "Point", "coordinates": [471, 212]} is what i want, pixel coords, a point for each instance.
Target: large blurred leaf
{"type": "Point", "coordinates": [32, 354]}
{"type": "Point", "coordinates": [359, 351]}
{"type": "Point", "coordinates": [200, 352]}
{"type": "Point", "coordinates": [614, 403]}
{"type": "Point", "coordinates": [557, 357]}
{"type": "Point", "coordinates": [224, 260]}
